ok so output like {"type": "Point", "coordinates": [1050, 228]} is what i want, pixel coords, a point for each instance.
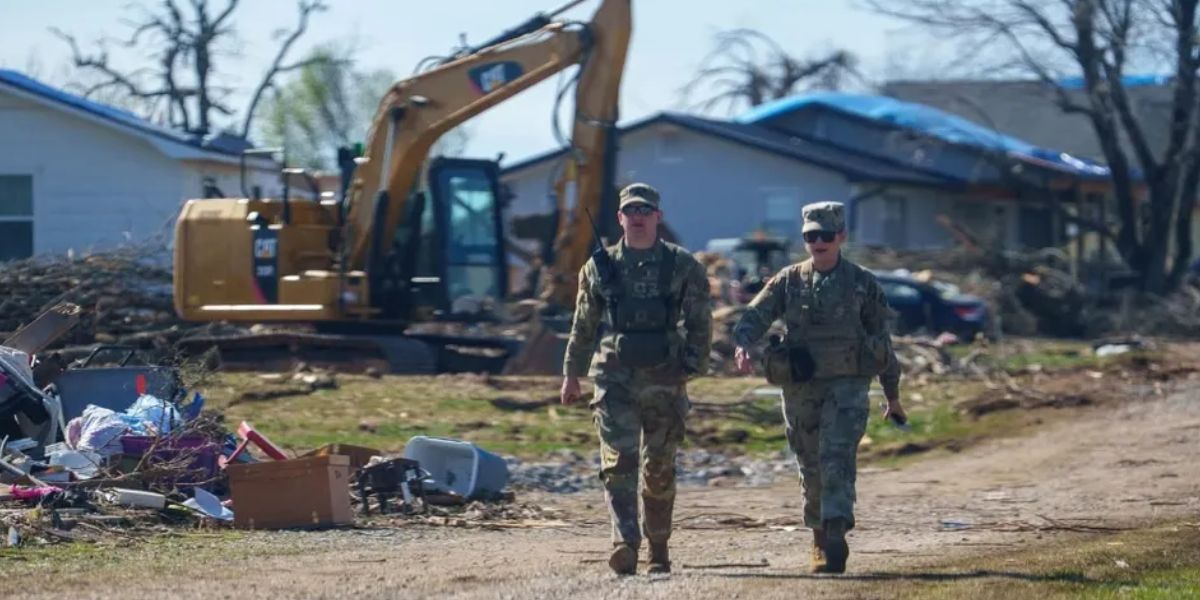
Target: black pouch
{"type": "Point", "coordinates": [638, 349]}
{"type": "Point", "coordinates": [802, 364]}
{"type": "Point", "coordinates": [777, 363]}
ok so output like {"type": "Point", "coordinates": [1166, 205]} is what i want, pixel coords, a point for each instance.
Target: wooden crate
{"type": "Point", "coordinates": [309, 492]}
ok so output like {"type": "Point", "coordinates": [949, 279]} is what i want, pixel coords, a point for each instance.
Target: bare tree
{"type": "Point", "coordinates": [184, 42]}
{"type": "Point", "coordinates": [329, 104]}
{"type": "Point", "coordinates": [1102, 40]}
{"type": "Point", "coordinates": [325, 105]}
{"type": "Point", "coordinates": [748, 68]}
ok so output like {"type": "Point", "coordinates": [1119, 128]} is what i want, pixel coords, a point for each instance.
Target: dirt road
{"type": "Point", "coordinates": [1100, 468]}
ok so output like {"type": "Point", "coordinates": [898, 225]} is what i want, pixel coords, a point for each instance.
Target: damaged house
{"type": "Point", "coordinates": [898, 166]}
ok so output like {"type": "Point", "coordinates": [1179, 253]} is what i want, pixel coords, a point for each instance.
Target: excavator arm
{"type": "Point", "coordinates": [417, 111]}
{"type": "Point", "coordinates": [590, 165]}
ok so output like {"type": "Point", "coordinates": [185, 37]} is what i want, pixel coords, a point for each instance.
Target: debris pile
{"type": "Point", "coordinates": [93, 451]}
{"type": "Point", "coordinates": [568, 472]}
{"type": "Point", "coordinates": [562, 472]}
{"type": "Point", "coordinates": [504, 514]}
{"type": "Point", "coordinates": [1037, 293]}
{"type": "Point", "coordinates": [126, 297]}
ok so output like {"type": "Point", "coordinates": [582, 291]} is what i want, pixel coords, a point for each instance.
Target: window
{"type": "Point", "coordinates": [16, 216]}
{"type": "Point", "coordinates": [473, 246]}
{"type": "Point", "coordinates": [894, 221]}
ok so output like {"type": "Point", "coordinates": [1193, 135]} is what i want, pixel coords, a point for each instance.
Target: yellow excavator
{"type": "Point", "coordinates": [412, 238]}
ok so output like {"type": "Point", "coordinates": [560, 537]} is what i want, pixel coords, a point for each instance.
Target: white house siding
{"type": "Point", "coordinates": [97, 186]}
{"type": "Point", "coordinates": [92, 186]}
{"type": "Point", "coordinates": [711, 188]}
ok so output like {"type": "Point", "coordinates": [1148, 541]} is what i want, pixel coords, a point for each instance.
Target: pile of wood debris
{"type": "Point", "coordinates": [125, 296]}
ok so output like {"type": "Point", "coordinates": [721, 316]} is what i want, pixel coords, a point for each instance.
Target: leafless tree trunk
{"type": "Point", "coordinates": [748, 68]}
{"type": "Point", "coordinates": [184, 39]}
{"type": "Point", "coordinates": [1100, 39]}
{"type": "Point", "coordinates": [306, 8]}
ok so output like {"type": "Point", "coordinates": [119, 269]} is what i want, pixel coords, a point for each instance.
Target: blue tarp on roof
{"type": "Point", "coordinates": [219, 142]}
{"type": "Point", "coordinates": [1076, 83]}
{"type": "Point", "coordinates": [928, 120]}
{"type": "Point", "coordinates": [858, 166]}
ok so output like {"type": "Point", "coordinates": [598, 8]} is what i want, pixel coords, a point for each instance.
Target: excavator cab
{"type": "Point", "coordinates": [445, 262]}
{"type": "Point", "coordinates": [448, 261]}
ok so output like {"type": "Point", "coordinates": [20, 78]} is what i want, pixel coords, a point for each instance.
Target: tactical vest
{"type": "Point", "coordinates": [641, 324]}
{"type": "Point", "coordinates": [823, 341]}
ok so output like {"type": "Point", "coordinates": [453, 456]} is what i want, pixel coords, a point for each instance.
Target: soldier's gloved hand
{"type": "Point", "coordinates": [741, 360]}
{"type": "Point", "coordinates": [570, 390]}
{"type": "Point", "coordinates": [893, 410]}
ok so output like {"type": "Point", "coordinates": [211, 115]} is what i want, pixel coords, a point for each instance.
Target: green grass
{"type": "Point", "coordinates": [1017, 356]}
{"type": "Point", "coordinates": [384, 413]}
{"type": "Point", "coordinates": [1157, 563]}
{"type": "Point", "coordinates": [1053, 360]}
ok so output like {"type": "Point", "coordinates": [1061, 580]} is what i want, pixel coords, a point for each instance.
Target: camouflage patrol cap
{"type": "Point", "coordinates": [638, 192]}
{"type": "Point", "coordinates": [824, 216]}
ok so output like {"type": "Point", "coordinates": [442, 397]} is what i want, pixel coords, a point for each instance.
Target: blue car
{"type": "Point", "coordinates": [932, 306]}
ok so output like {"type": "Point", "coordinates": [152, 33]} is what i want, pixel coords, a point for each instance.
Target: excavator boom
{"type": "Point", "coordinates": [416, 112]}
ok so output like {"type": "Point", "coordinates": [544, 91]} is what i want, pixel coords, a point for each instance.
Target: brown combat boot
{"type": "Point", "coordinates": [818, 562]}
{"type": "Point", "coordinates": [836, 548]}
{"type": "Point", "coordinates": [660, 561]}
{"type": "Point", "coordinates": [623, 560]}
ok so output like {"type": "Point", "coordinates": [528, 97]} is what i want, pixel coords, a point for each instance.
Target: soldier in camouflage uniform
{"type": "Point", "coordinates": [836, 340]}
{"type": "Point", "coordinates": [641, 289]}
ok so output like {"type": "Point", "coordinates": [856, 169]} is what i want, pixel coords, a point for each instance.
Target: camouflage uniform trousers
{"type": "Point", "coordinates": [825, 421]}
{"type": "Point", "coordinates": [640, 420]}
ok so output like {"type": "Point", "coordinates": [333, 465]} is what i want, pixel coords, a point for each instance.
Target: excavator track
{"type": "Point", "coordinates": [353, 353]}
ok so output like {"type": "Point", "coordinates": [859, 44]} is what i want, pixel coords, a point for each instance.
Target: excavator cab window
{"type": "Point", "coordinates": [473, 261]}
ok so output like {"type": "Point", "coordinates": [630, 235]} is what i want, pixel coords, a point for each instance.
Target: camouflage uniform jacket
{"type": "Point", "coordinates": [638, 273]}
{"type": "Point", "coordinates": [773, 302]}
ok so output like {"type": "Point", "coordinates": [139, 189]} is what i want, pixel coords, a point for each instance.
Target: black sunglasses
{"type": "Point", "coordinates": [638, 209]}
{"type": "Point", "coordinates": [825, 236]}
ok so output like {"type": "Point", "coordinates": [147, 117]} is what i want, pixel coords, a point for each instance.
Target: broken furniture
{"type": "Point", "coordinates": [249, 435]}
{"type": "Point", "coordinates": [38, 334]}
{"type": "Point", "coordinates": [25, 410]}
{"type": "Point", "coordinates": [360, 456]}
{"type": "Point", "coordinates": [114, 387]}
{"type": "Point", "coordinates": [387, 478]}
{"type": "Point", "coordinates": [307, 492]}
{"type": "Point", "coordinates": [193, 459]}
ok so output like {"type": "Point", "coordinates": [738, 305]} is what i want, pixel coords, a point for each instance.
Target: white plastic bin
{"type": "Point", "coordinates": [461, 467]}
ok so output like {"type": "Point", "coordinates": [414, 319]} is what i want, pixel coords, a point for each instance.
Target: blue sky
{"type": "Point", "coordinates": [670, 39]}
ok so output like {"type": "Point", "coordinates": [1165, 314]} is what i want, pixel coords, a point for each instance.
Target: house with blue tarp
{"type": "Point", "coordinates": [905, 171]}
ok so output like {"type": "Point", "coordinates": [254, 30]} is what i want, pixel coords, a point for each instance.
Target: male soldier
{"type": "Point", "coordinates": [837, 339]}
{"type": "Point", "coordinates": [640, 288]}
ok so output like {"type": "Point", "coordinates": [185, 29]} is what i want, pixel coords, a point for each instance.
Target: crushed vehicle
{"type": "Point", "coordinates": [933, 306]}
